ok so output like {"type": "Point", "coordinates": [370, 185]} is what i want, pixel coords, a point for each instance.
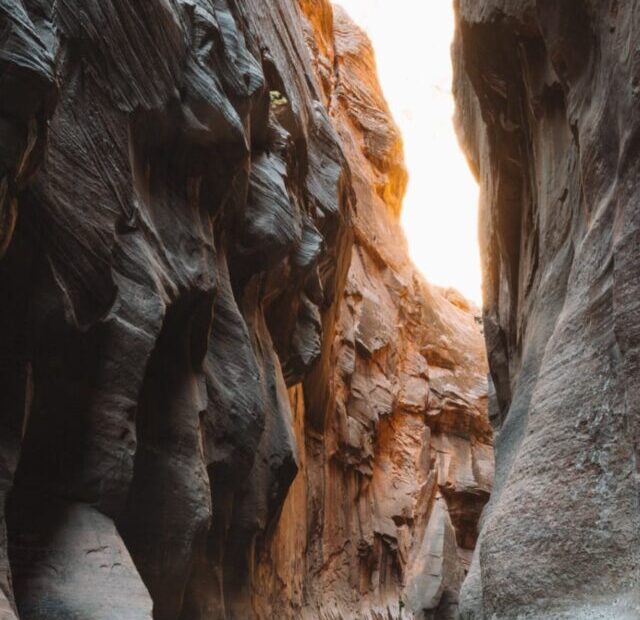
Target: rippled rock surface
{"type": "Point", "coordinates": [225, 393]}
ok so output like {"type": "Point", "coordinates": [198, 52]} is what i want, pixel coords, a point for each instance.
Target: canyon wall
{"type": "Point", "coordinates": [225, 392]}
{"type": "Point", "coordinates": [548, 112]}
{"type": "Point", "coordinates": [396, 470]}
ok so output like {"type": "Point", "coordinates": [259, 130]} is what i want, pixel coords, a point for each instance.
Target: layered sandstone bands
{"type": "Point", "coordinates": [548, 111]}
{"type": "Point", "coordinates": [224, 390]}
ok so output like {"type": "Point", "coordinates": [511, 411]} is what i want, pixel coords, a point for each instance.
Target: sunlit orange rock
{"type": "Point", "coordinates": [383, 517]}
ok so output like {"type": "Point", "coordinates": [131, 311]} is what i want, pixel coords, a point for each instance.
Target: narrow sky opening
{"type": "Point", "coordinates": [412, 41]}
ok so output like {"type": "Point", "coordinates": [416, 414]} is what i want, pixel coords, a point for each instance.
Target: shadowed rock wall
{"type": "Point", "coordinates": [205, 296]}
{"type": "Point", "coordinates": [548, 111]}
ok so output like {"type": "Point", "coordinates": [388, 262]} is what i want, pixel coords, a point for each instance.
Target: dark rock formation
{"type": "Point", "coordinates": [26, 93]}
{"type": "Point", "coordinates": [548, 110]}
{"type": "Point", "coordinates": [183, 270]}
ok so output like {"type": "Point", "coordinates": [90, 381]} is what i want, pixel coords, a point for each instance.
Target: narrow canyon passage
{"type": "Point", "coordinates": [226, 391]}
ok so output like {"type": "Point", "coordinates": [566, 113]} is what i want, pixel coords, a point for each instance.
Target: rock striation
{"type": "Point", "coordinates": [548, 112]}
{"type": "Point", "coordinates": [225, 393]}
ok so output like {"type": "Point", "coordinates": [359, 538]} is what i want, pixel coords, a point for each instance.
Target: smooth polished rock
{"type": "Point", "coordinates": [547, 110]}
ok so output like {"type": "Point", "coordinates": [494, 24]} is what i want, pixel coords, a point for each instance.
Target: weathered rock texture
{"type": "Point", "coordinates": [205, 295]}
{"type": "Point", "coordinates": [548, 97]}
{"type": "Point", "coordinates": [398, 465]}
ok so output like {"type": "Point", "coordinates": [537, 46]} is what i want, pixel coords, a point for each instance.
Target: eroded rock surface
{"type": "Point", "coordinates": [548, 110]}
{"type": "Point", "coordinates": [398, 465]}
{"type": "Point", "coordinates": [225, 393]}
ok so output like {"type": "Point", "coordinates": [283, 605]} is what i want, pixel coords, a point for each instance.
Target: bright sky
{"type": "Point", "coordinates": [412, 40]}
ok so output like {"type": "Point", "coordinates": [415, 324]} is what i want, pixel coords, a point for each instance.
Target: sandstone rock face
{"type": "Point", "coordinates": [382, 519]}
{"type": "Point", "coordinates": [224, 391]}
{"type": "Point", "coordinates": [548, 110]}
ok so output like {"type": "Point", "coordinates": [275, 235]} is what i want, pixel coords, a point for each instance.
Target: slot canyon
{"type": "Point", "coordinates": [226, 391]}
